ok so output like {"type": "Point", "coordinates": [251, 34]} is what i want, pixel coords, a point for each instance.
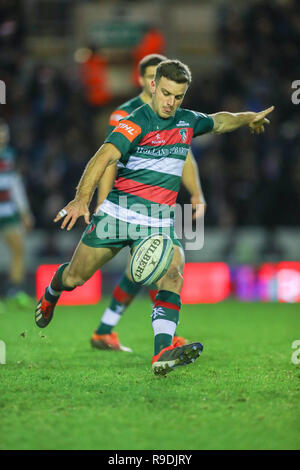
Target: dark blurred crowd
{"type": "Point", "coordinates": [250, 180]}
{"type": "Point", "coordinates": [247, 180]}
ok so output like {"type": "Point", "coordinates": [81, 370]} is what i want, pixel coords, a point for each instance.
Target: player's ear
{"type": "Point", "coordinates": [141, 81]}
{"type": "Point", "coordinates": [153, 86]}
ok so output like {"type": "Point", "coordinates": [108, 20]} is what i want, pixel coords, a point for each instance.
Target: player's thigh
{"type": "Point", "coordinates": [13, 238]}
{"type": "Point", "coordinates": [87, 260]}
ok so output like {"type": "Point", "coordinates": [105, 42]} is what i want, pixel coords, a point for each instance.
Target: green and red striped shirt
{"type": "Point", "coordinates": [150, 168]}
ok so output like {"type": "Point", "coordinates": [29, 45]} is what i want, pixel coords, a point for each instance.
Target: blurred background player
{"type": "Point", "coordinates": [14, 214]}
{"type": "Point", "coordinates": [126, 290]}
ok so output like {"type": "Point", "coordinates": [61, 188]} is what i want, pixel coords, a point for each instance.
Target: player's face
{"type": "Point", "coordinates": [167, 96]}
{"type": "Point", "coordinates": [146, 80]}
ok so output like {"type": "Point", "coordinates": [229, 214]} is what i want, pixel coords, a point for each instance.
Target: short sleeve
{"type": "Point", "coordinates": [114, 119]}
{"type": "Point", "coordinates": [125, 135]}
{"type": "Point", "coordinates": [203, 124]}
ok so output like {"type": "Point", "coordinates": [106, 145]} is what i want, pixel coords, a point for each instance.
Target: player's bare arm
{"type": "Point", "coordinates": [227, 122]}
{"type": "Point", "coordinates": [191, 181]}
{"type": "Point", "coordinates": [106, 183]}
{"type": "Point", "coordinates": [107, 155]}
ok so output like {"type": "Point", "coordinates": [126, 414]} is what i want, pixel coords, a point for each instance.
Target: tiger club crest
{"type": "Point", "coordinates": [183, 135]}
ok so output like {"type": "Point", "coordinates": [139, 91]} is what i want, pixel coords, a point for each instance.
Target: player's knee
{"type": "Point", "coordinates": [173, 277]}
{"type": "Point", "coordinates": [172, 272]}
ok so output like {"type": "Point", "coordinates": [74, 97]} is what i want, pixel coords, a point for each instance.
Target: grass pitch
{"type": "Point", "coordinates": [56, 392]}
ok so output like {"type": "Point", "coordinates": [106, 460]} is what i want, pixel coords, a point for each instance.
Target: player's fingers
{"type": "Point", "coordinates": [263, 113]}
{"type": "Point", "coordinates": [268, 110]}
{"type": "Point", "coordinates": [60, 215]}
{"type": "Point", "coordinates": [66, 221]}
{"type": "Point", "coordinates": [72, 222]}
{"type": "Point", "coordinates": [266, 121]}
{"type": "Point", "coordinates": [199, 212]}
{"type": "Point", "coordinates": [195, 216]}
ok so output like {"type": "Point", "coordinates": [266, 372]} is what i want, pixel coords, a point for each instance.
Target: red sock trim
{"type": "Point", "coordinates": [161, 303]}
{"type": "Point", "coordinates": [121, 296]}
{"type": "Point", "coordinates": [152, 294]}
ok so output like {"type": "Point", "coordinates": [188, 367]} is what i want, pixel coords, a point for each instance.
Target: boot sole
{"type": "Point", "coordinates": [188, 356]}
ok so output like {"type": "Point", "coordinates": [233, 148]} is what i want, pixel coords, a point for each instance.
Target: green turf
{"type": "Point", "coordinates": [242, 393]}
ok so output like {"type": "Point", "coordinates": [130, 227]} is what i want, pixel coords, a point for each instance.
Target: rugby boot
{"type": "Point", "coordinates": [170, 357]}
{"type": "Point", "coordinates": [108, 341]}
{"type": "Point", "coordinates": [44, 312]}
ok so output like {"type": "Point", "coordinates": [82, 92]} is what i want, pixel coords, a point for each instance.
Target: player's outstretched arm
{"type": "Point", "coordinates": [105, 156]}
{"type": "Point", "coordinates": [227, 122]}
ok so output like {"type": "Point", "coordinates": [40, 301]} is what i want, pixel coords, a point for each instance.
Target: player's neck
{"type": "Point", "coordinates": [145, 98]}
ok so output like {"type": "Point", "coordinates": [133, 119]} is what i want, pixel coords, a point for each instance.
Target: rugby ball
{"type": "Point", "coordinates": [151, 259]}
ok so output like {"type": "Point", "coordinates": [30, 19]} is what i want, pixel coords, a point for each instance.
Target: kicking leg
{"type": "Point", "coordinates": [85, 262]}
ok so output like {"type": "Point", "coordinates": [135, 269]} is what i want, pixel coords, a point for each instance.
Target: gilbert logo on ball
{"type": "Point", "coordinates": [151, 259]}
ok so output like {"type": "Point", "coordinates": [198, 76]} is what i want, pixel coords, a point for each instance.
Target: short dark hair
{"type": "Point", "coordinates": [149, 61]}
{"type": "Point", "coordinates": [174, 70]}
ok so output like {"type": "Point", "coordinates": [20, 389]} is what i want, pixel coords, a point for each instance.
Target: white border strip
{"type": "Point", "coordinates": [131, 217]}
{"type": "Point", "coordinates": [169, 166]}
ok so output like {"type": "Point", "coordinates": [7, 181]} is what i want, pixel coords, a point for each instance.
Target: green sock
{"type": "Point", "coordinates": [56, 286]}
{"type": "Point", "coordinates": [123, 295]}
{"type": "Point", "coordinates": [165, 317]}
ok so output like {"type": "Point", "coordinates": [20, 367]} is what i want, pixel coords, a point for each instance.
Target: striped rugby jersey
{"type": "Point", "coordinates": [150, 168]}
{"type": "Point", "coordinates": [124, 110]}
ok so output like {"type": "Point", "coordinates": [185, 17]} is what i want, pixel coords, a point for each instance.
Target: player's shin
{"type": "Point", "coordinates": [56, 286]}
{"type": "Point", "coordinates": [165, 316]}
{"type": "Point", "coordinates": [123, 295]}
{"type": "Point", "coordinates": [152, 292]}
{"type": "Point", "coordinates": [45, 307]}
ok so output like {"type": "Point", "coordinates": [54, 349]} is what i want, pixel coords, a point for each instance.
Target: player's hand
{"type": "Point", "coordinates": [257, 125]}
{"type": "Point", "coordinates": [198, 206]}
{"type": "Point", "coordinates": [71, 212]}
